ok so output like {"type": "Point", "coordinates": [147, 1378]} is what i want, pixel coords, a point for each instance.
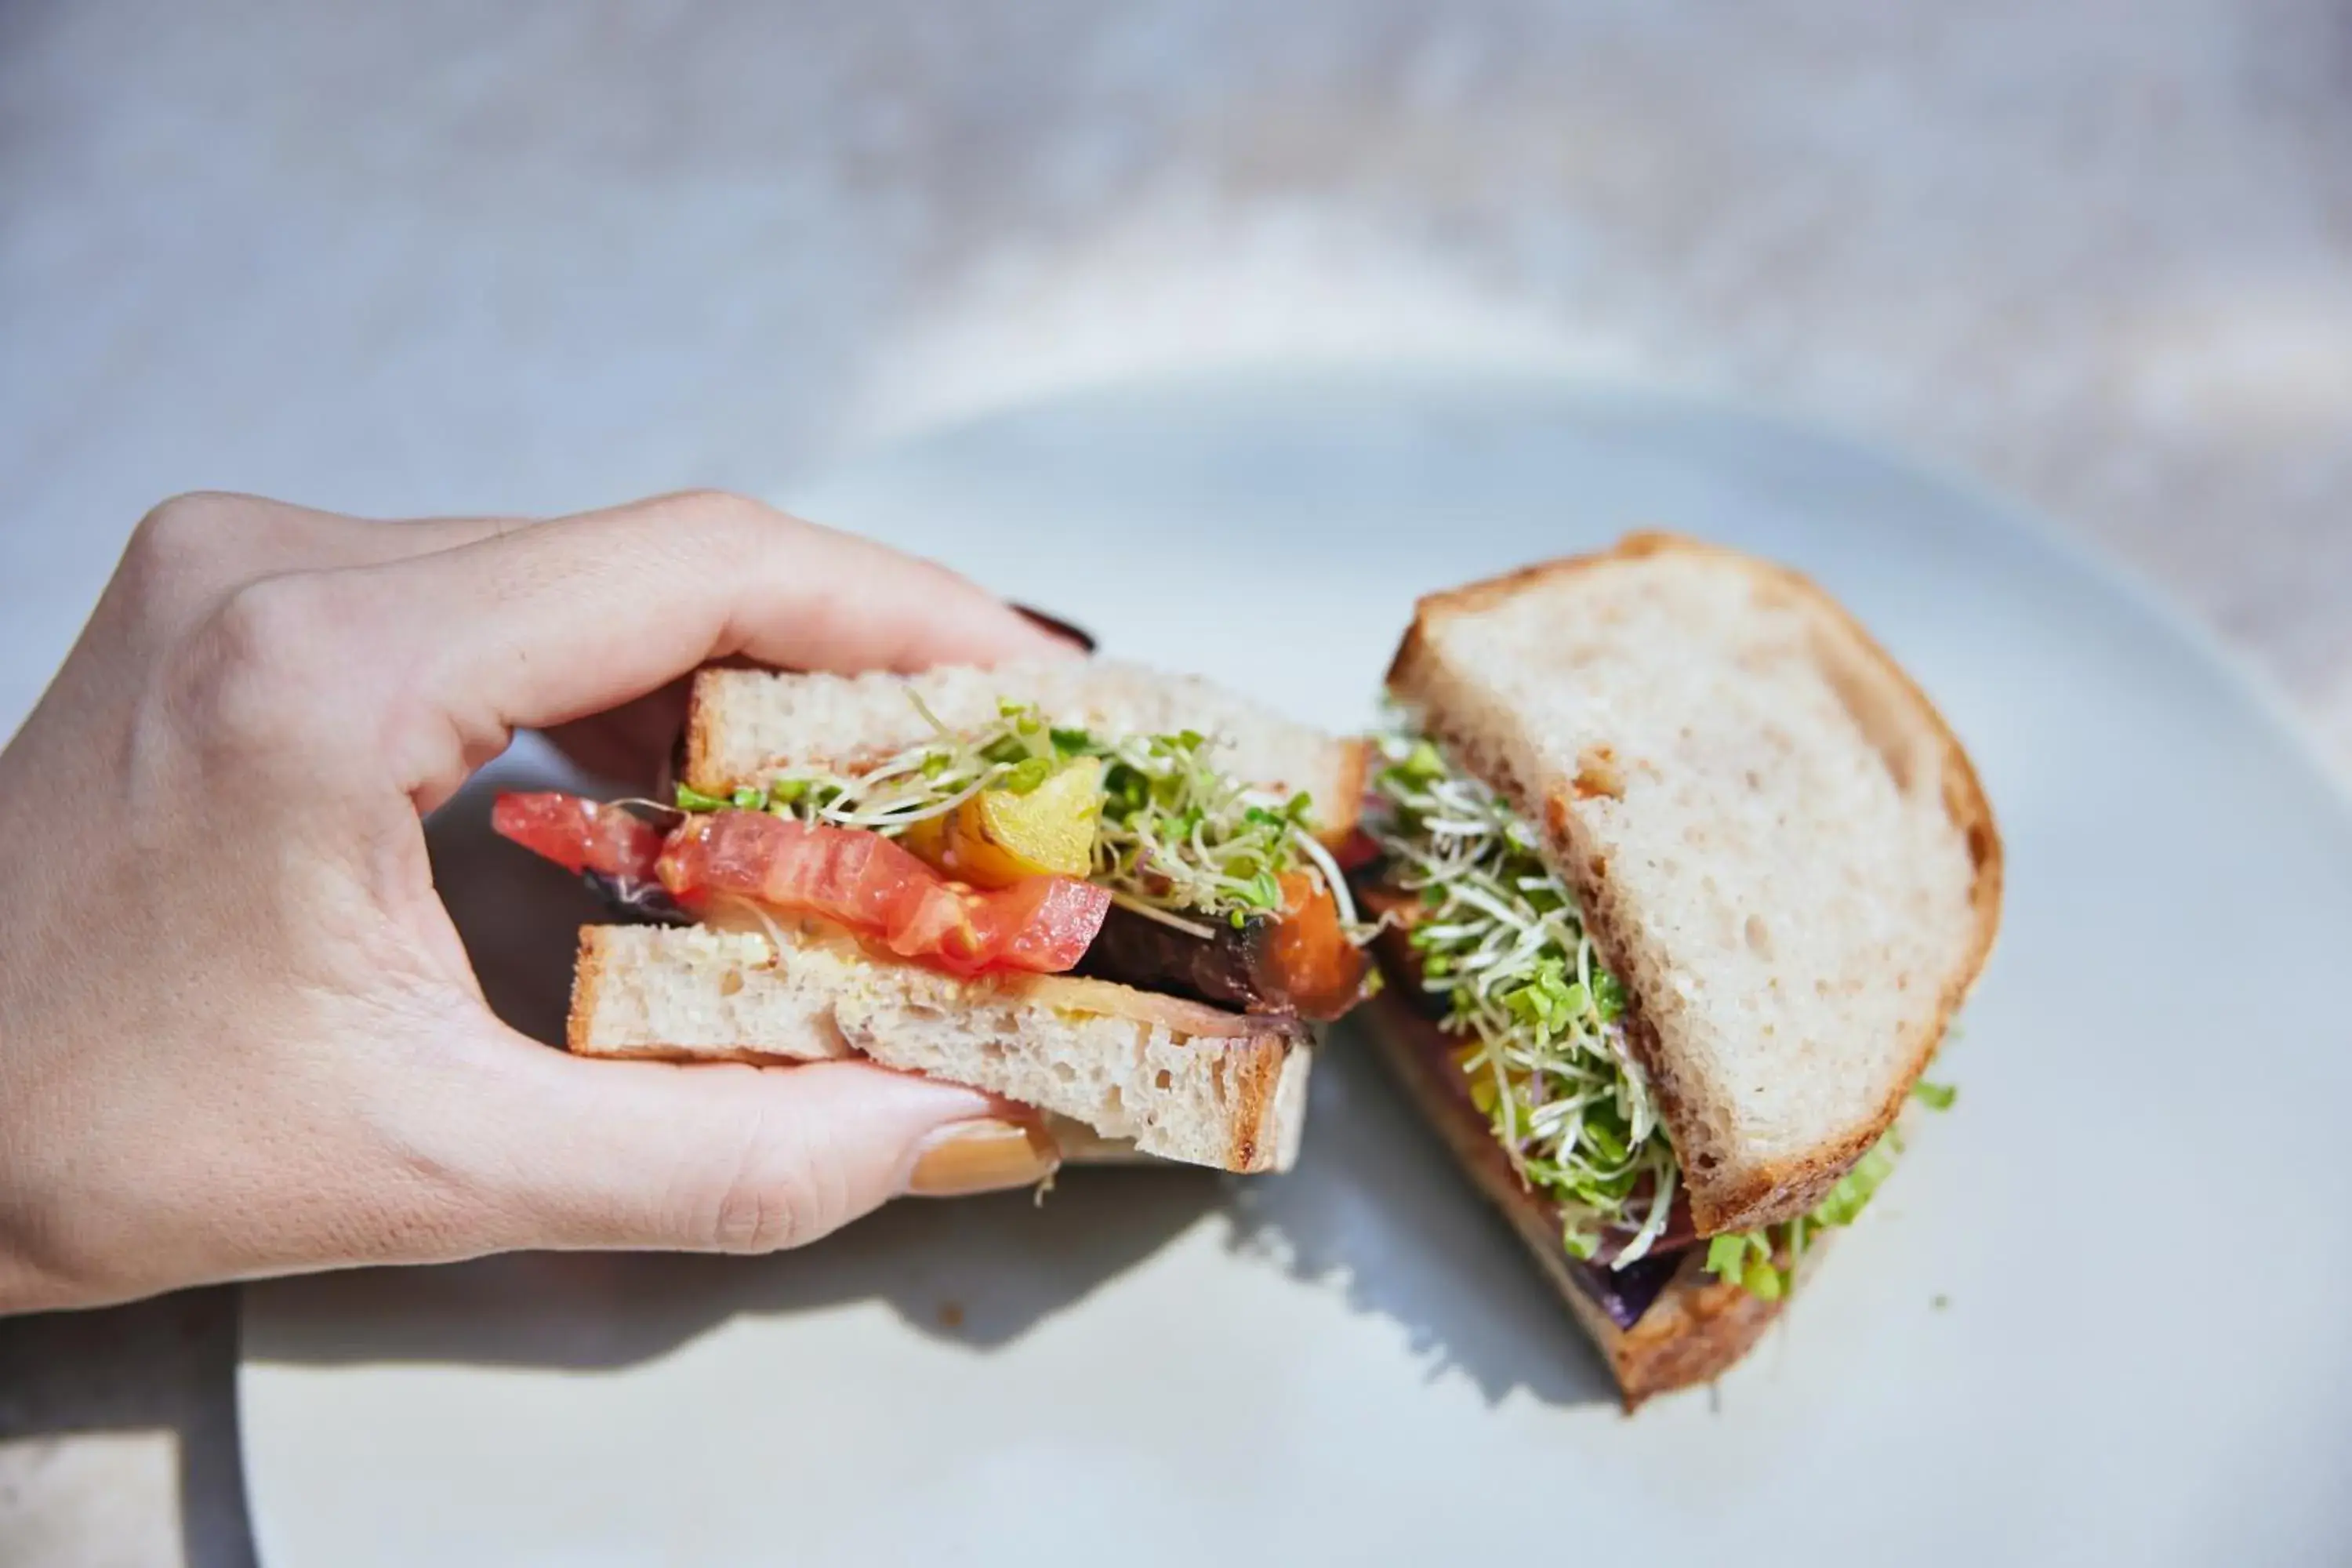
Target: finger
{"type": "Point", "coordinates": [632, 743]}
{"type": "Point", "coordinates": [372, 541]}
{"type": "Point", "coordinates": [1070, 632]}
{"type": "Point", "coordinates": [199, 546]}
{"type": "Point", "coordinates": [724, 1157]}
{"type": "Point", "coordinates": [579, 615]}
{"type": "Point", "coordinates": [188, 555]}
{"type": "Point", "coordinates": [629, 744]}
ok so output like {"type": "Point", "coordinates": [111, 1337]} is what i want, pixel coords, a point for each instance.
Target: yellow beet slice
{"type": "Point", "coordinates": [997, 836]}
{"type": "Point", "coordinates": [1050, 831]}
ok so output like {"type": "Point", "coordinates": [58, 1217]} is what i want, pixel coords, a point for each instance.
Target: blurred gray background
{"type": "Point", "coordinates": [533, 257]}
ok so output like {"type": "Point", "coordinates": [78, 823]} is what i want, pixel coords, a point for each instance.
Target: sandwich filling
{"type": "Point", "coordinates": [1021, 846]}
{"type": "Point", "coordinates": [1494, 943]}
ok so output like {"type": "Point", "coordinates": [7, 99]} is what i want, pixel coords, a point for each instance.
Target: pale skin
{"type": "Point", "coordinates": [238, 1034]}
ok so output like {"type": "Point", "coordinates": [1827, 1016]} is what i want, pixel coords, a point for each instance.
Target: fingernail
{"type": "Point", "coordinates": [982, 1157]}
{"type": "Point", "coordinates": [1058, 626]}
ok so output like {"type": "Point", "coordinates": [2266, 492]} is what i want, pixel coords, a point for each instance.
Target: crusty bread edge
{"type": "Point", "coordinates": [1698, 1327]}
{"type": "Point", "coordinates": [1339, 818]}
{"type": "Point", "coordinates": [587, 975]}
{"type": "Point", "coordinates": [699, 768]}
{"type": "Point", "coordinates": [1265, 1118]}
{"type": "Point", "coordinates": [1783, 1189]}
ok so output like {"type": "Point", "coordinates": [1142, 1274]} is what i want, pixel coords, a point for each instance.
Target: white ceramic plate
{"type": "Point", "coordinates": [2098, 1317]}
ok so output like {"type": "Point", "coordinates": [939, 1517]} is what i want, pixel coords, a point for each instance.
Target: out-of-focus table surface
{"type": "Point", "coordinates": [535, 257]}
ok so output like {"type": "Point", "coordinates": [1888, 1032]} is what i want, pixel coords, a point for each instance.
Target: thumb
{"type": "Point", "coordinates": [725, 1157]}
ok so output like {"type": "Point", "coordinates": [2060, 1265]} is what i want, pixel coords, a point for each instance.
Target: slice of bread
{"type": "Point", "coordinates": [1691, 1334]}
{"type": "Point", "coordinates": [745, 726]}
{"type": "Point", "coordinates": [1778, 845]}
{"type": "Point", "coordinates": [1175, 1078]}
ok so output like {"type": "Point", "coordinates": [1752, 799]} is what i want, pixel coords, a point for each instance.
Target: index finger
{"type": "Point", "coordinates": [578, 615]}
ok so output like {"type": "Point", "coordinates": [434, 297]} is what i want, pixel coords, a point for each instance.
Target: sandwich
{"type": "Point", "coordinates": [1680, 881]}
{"type": "Point", "coordinates": [1101, 892]}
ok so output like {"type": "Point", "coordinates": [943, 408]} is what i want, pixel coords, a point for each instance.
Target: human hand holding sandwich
{"type": "Point", "coordinates": [238, 1033]}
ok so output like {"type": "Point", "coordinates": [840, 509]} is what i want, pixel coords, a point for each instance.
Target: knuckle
{"type": "Point", "coordinates": [729, 520]}
{"type": "Point", "coordinates": [179, 548]}
{"type": "Point", "coordinates": [257, 657]}
{"type": "Point", "coordinates": [268, 628]}
{"type": "Point", "coordinates": [184, 528]}
{"type": "Point", "coordinates": [718, 503]}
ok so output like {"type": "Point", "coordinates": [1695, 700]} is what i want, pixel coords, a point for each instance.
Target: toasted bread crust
{"type": "Point", "coordinates": [1254, 1078]}
{"type": "Point", "coordinates": [1696, 1330]}
{"type": "Point", "coordinates": [1339, 816]}
{"type": "Point", "coordinates": [587, 975]}
{"type": "Point", "coordinates": [1784, 1189]}
{"type": "Point", "coordinates": [699, 767]}
{"type": "Point", "coordinates": [1263, 1065]}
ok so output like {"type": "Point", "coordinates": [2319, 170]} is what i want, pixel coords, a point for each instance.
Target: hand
{"type": "Point", "coordinates": [238, 1033]}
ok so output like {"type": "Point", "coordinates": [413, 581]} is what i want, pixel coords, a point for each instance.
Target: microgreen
{"type": "Point", "coordinates": [1499, 936]}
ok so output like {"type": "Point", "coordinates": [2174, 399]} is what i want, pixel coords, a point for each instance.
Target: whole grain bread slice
{"type": "Point", "coordinates": [1778, 844]}
{"type": "Point", "coordinates": [1693, 1334]}
{"type": "Point", "coordinates": [745, 726]}
{"type": "Point", "coordinates": [1171, 1078]}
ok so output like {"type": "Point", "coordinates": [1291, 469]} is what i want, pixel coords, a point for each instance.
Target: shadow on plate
{"type": "Point", "coordinates": [157, 1370]}
{"type": "Point", "coordinates": [1377, 1211]}
{"type": "Point", "coordinates": [1374, 1214]}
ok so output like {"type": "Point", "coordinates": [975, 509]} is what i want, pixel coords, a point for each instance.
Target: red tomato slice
{"type": "Point", "coordinates": [580, 835]}
{"type": "Point", "coordinates": [868, 884]}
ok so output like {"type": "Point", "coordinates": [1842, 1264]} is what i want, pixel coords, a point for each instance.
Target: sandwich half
{"type": "Point", "coordinates": [1681, 881]}
{"type": "Point", "coordinates": [1101, 892]}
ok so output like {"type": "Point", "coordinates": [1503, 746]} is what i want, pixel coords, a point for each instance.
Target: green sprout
{"type": "Point", "coordinates": [1500, 938]}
